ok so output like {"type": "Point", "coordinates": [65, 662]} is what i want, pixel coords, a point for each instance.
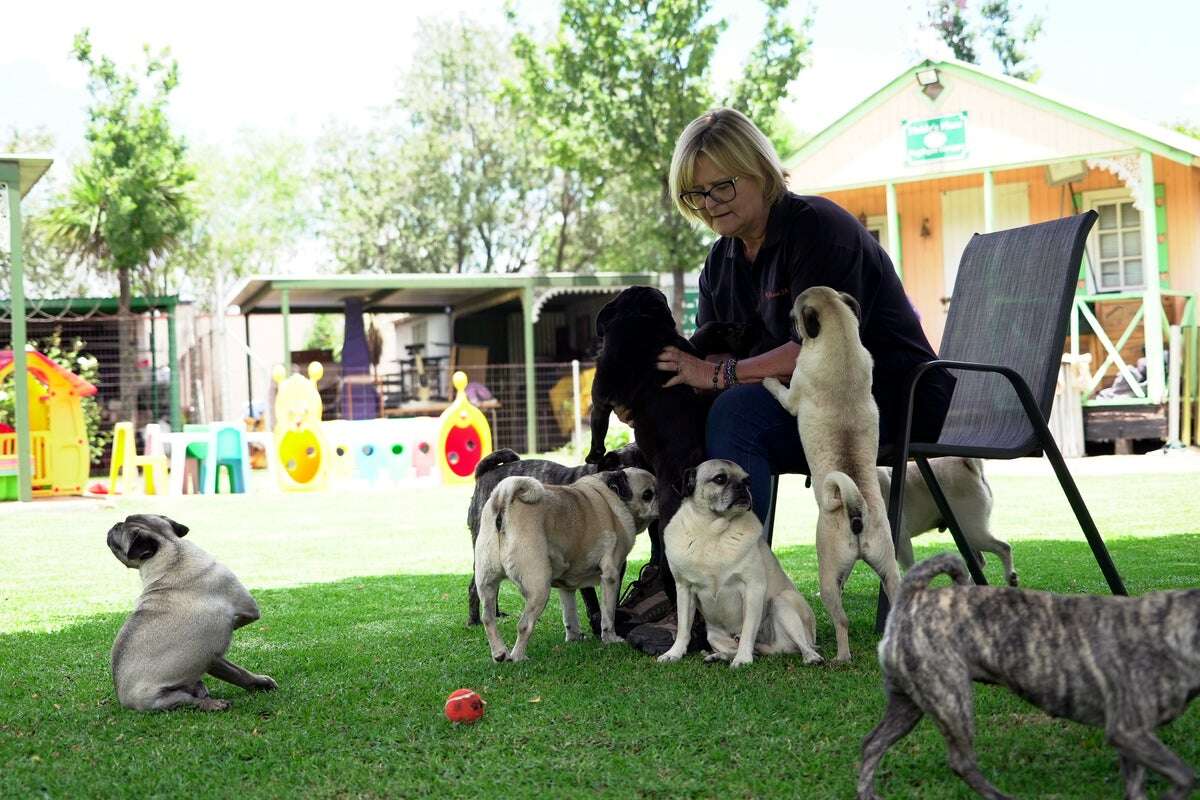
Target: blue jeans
{"type": "Point", "coordinates": [748, 427]}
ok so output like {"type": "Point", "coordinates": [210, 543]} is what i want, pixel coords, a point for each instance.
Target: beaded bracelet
{"type": "Point", "coordinates": [730, 372]}
{"type": "Point", "coordinates": [716, 373]}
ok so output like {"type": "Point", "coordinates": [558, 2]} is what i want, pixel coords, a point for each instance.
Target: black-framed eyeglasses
{"type": "Point", "coordinates": [720, 192]}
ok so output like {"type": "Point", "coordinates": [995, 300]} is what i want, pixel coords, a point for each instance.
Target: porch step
{"type": "Point", "coordinates": [1110, 423]}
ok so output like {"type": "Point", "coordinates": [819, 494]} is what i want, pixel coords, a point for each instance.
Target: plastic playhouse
{"type": "Point", "coordinates": [57, 432]}
{"type": "Point", "coordinates": [303, 455]}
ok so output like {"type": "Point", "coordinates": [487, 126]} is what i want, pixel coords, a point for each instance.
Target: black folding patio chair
{"type": "Point", "coordinates": [1003, 342]}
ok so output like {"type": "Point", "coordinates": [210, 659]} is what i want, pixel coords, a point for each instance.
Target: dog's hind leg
{"type": "Point", "coordinates": [472, 603]}
{"type": "Point", "coordinates": [535, 585]}
{"type": "Point", "coordinates": [610, 585]}
{"type": "Point", "coordinates": [946, 696]}
{"type": "Point", "coordinates": [488, 595]}
{"type": "Point", "coordinates": [1134, 776]}
{"type": "Point", "coordinates": [1143, 747]}
{"type": "Point", "coordinates": [570, 614]}
{"type": "Point", "coordinates": [900, 717]}
{"type": "Point", "coordinates": [790, 620]}
{"type": "Point", "coordinates": [832, 577]}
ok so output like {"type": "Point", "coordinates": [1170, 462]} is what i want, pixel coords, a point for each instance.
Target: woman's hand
{"type": "Point", "coordinates": [689, 370]}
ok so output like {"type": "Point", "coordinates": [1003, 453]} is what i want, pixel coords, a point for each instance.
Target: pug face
{"type": "Point", "coordinates": [720, 486]}
{"type": "Point", "coordinates": [139, 538]}
{"type": "Point", "coordinates": [821, 303]}
{"type": "Point", "coordinates": [636, 488]}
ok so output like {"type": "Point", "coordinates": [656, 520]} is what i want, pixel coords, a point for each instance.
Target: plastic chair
{"type": "Point", "coordinates": [124, 463]}
{"type": "Point", "coordinates": [226, 448]}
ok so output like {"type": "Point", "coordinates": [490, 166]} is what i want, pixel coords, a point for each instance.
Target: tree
{"type": "Point", "coordinates": [620, 82]}
{"type": "Point", "coordinates": [448, 180]}
{"type": "Point", "coordinates": [995, 24]}
{"type": "Point", "coordinates": [127, 205]}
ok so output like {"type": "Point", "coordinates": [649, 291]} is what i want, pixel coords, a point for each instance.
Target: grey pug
{"type": "Point", "coordinates": [720, 559]}
{"type": "Point", "coordinates": [1127, 664]}
{"type": "Point", "coordinates": [183, 622]}
{"type": "Point", "coordinates": [504, 463]}
{"type": "Point", "coordinates": [565, 537]}
{"type": "Point", "coordinates": [970, 499]}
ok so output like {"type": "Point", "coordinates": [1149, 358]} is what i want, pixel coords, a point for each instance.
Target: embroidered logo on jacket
{"type": "Point", "coordinates": [769, 295]}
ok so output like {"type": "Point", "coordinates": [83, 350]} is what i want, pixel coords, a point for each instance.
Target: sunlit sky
{"type": "Point", "coordinates": [293, 67]}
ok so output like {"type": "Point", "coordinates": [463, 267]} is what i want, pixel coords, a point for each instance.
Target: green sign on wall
{"type": "Point", "coordinates": [940, 138]}
{"type": "Point", "coordinates": [691, 304]}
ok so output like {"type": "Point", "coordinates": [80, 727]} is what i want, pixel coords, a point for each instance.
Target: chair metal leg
{"type": "Point", "coordinates": [939, 497]}
{"type": "Point", "coordinates": [769, 523]}
{"type": "Point", "coordinates": [895, 509]}
{"type": "Point", "coordinates": [1099, 550]}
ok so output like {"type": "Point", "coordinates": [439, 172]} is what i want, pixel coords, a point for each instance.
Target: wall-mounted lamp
{"type": "Point", "coordinates": [925, 232]}
{"type": "Point", "coordinates": [930, 82]}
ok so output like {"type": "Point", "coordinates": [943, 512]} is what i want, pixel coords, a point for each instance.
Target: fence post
{"type": "Point", "coordinates": [578, 409]}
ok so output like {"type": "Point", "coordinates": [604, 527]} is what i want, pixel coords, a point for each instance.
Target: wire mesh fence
{"type": "Point", "coordinates": [498, 389]}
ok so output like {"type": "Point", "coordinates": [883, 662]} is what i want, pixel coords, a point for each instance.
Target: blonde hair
{"type": "Point", "coordinates": [735, 145]}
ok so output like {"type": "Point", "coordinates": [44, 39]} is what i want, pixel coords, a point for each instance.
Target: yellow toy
{"type": "Point", "coordinates": [465, 436]}
{"type": "Point", "coordinates": [57, 431]}
{"type": "Point", "coordinates": [124, 462]}
{"type": "Point", "coordinates": [303, 455]}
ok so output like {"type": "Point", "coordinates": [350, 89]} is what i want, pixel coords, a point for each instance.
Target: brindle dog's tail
{"type": "Point", "coordinates": [921, 574]}
{"type": "Point", "coordinates": [516, 487]}
{"type": "Point", "coordinates": [839, 491]}
{"type": "Point", "coordinates": [496, 459]}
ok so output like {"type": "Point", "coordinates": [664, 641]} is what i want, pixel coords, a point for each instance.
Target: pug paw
{"type": "Point", "coordinates": [212, 704]}
{"type": "Point", "coordinates": [740, 662]}
{"type": "Point", "coordinates": [611, 638]}
{"type": "Point", "coordinates": [713, 658]}
{"type": "Point", "coordinates": [670, 656]}
{"type": "Point", "coordinates": [265, 683]}
{"type": "Point", "coordinates": [574, 636]}
{"type": "Point", "coordinates": [501, 656]}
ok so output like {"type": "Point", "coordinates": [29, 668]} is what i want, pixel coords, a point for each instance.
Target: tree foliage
{"type": "Point", "coordinates": [128, 202]}
{"type": "Point", "coordinates": [996, 25]}
{"type": "Point", "coordinates": [448, 180]}
{"type": "Point", "coordinates": [616, 87]}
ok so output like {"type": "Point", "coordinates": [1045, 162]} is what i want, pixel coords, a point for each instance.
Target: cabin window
{"type": "Point", "coordinates": [1115, 249]}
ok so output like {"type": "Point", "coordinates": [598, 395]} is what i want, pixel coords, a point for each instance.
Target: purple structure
{"type": "Point", "coordinates": [359, 398]}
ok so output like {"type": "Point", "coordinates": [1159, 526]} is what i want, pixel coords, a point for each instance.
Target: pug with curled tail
{"type": "Point", "coordinates": [183, 622]}
{"type": "Point", "coordinates": [720, 559]}
{"type": "Point", "coordinates": [830, 395]}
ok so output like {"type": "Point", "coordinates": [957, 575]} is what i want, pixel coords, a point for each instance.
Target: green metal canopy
{"type": "Point", "coordinates": [425, 293]}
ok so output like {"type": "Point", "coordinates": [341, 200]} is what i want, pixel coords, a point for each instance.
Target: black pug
{"type": "Point", "coordinates": [668, 423]}
{"type": "Point", "coordinates": [504, 463]}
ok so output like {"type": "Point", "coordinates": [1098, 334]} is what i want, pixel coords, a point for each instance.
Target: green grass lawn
{"type": "Point", "coordinates": [363, 630]}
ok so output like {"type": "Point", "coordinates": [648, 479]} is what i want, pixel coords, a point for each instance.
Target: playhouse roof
{"type": "Point", "coordinates": [47, 372]}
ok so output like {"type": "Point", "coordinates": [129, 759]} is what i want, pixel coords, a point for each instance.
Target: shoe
{"type": "Point", "coordinates": [645, 600]}
{"type": "Point", "coordinates": [656, 638]}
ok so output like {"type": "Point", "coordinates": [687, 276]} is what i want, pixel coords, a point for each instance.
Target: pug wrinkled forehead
{"type": "Point", "coordinates": [636, 488]}
{"type": "Point", "coordinates": [721, 486]}
{"type": "Point", "coordinates": [140, 536]}
{"type": "Point", "coordinates": [817, 302]}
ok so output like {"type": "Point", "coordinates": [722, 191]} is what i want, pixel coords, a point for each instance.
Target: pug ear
{"type": "Point", "coordinates": [141, 547]}
{"type": "Point", "coordinates": [854, 306]}
{"type": "Point", "coordinates": [689, 482]}
{"type": "Point", "coordinates": [178, 528]}
{"type": "Point", "coordinates": [811, 318]}
{"type": "Point", "coordinates": [618, 481]}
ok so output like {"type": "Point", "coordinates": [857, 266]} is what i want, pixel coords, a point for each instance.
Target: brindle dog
{"type": "Point", "coordinates": [1127, 664]}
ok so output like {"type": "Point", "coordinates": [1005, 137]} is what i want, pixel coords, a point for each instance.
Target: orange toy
{"type": "Point", "coordinates": [463, 705]}
{"type": "Point", "coordinates": [465, 436]}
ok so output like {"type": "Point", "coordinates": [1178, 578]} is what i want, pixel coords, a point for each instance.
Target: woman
{"type": "Point", "coordinates": [773, 245]}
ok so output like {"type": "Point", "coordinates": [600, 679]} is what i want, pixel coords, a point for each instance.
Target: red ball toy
{"type": "Point", "coordinates": [463, 705]}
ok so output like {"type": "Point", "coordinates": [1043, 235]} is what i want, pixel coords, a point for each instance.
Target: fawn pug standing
{"type": "Point", "coordinates": [830, 395]}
